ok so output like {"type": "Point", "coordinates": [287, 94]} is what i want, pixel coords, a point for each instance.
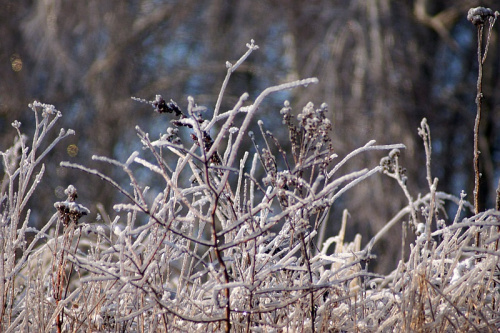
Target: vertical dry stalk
{"type": "Point", "coordinates": [497, 201]}
{"type": "Point", "coordinates": [69, 213]}
{"type": "Point", "coordinates": [479, 16]}
{"type": "Point", "coordinates": [479, 97]}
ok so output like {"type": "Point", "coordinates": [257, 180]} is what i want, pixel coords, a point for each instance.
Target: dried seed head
{"type": "Point", "coordinates": [71, 193]}
{"type": "Point", "coordinates": [161, 106]}
{"type": "Point", "coordinates": [479, 15]}
{"type": "Point", "coordinates": [69, 210]}
{"type": "Point", "coordinates": [394, 153]}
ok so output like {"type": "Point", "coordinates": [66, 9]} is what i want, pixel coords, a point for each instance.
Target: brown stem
{"type": "Point", "coordinates": [223, 267]}
{"type": "Point", "coordinates": [217, 250]}
{"type": "Point", "coordinates": [497, 201]}
{"type": "Point", "coordinates": [479, 97]}
{"type": "Point", "coordinates": [308, 265]}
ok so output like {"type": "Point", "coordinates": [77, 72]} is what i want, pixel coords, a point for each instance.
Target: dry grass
{"type": "Point", "coordinates": [197, 250]}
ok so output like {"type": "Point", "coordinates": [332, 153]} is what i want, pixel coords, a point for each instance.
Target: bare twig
{"type": "Point", "coordinates": [479, 16]}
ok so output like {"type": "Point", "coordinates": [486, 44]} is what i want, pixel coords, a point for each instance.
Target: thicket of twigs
{"type": "Point", "coordinates": [234, 239]}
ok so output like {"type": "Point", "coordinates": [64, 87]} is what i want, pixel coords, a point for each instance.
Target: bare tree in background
{"type": "Point", "coordinates": [382, 66]}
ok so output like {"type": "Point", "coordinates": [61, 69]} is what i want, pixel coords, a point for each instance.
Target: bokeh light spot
{"type": "Point", "coordinates": [61, 172]}
{"type": "Point", "coordinates": [72, 150]}
{"type": "Point", "coordinates": [59, 191]}
{"type": "Point", "coordinates": [16, 62]}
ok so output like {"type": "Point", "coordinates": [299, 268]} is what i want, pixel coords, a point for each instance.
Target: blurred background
{"type": "Point", "coordinates": [382, 65]}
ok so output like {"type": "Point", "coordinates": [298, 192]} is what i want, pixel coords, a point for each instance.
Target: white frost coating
{"type": "Point", "coordinates": [201, 235]}
{"type": "Point", "coordinates": [132, 158]}
{"type": "Point", "coordinates": [118, 230]}
{"type": "Point", "coordinates": [420, 229]}
{"type": "Point", "coordinates": [127, 207]}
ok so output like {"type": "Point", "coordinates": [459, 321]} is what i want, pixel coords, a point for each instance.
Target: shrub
{"type": "Point", "coordinates": [217, 245]}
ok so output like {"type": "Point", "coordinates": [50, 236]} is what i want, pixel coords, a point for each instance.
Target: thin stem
{"type": "Point", "coordinates": [479, 97]}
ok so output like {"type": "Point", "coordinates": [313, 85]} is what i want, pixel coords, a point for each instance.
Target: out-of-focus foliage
{"type": "Point", "coordinates": [383, 65]}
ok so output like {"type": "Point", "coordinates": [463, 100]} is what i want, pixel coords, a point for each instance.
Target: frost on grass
{"type": "Point", "coordinates": [230, 236]}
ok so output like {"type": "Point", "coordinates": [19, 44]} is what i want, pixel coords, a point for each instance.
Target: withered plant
{"type": "Point", "coordinates": [229, 234]}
